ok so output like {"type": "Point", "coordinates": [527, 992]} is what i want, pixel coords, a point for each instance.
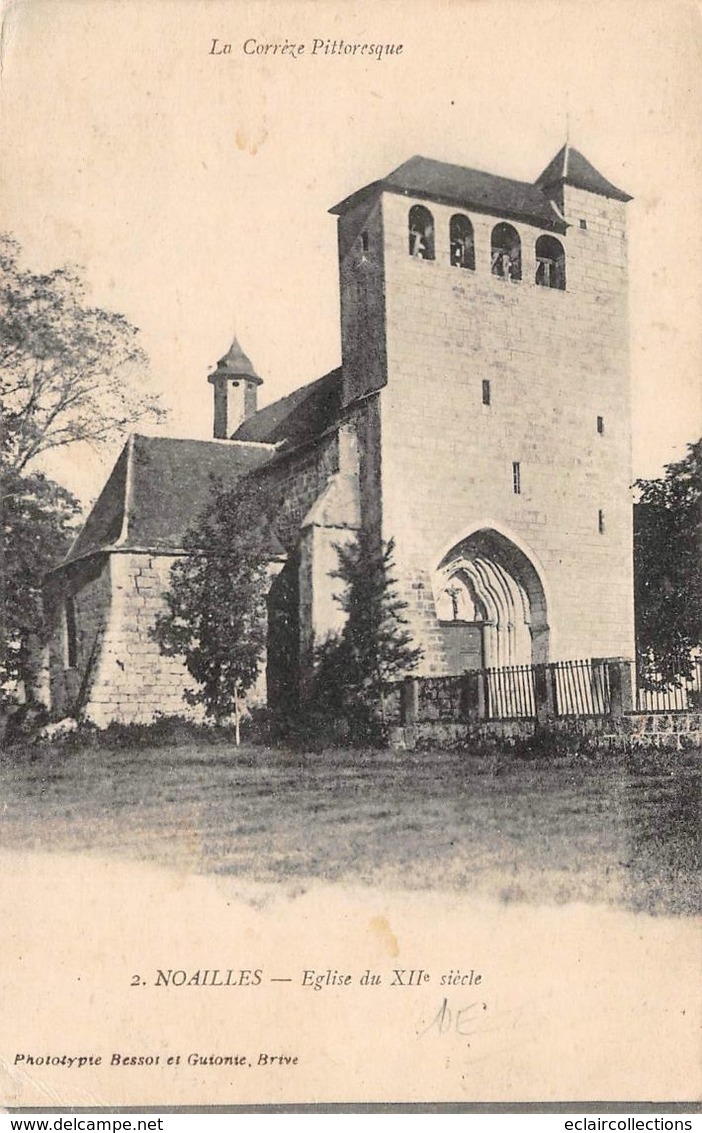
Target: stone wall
{"type": "Point", "coordinates": [292, 482]}
{"type": "Point", "coordinates": [86, 584]}
{"type": "Point", "coordinates": [120, 674]}
{"type": "Point", "coordinates": [675, 731]}
{"type": "Point", "coordinates": [361, 271]}
{"type": "Point", "coordinates": [441, 698]}
{"type": "Point", "coordinates": [307, 488]}
{"type": "Point", "coordinates": [133, 682]}
{"type": "Point", "coordinates": [556, 361]}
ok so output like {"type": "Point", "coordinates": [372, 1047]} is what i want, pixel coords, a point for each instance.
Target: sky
{"type": "Point", "coordinates": [193, 187]}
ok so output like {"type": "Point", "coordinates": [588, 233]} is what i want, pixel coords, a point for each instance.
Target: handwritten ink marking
{"type": "Point", "coordinates": [450, 1020]}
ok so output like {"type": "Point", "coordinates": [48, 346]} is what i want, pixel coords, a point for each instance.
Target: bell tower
{"type": "Point", "coordinates": [235, 391]}
{"type": "Point", "coordinates": [484, 322]}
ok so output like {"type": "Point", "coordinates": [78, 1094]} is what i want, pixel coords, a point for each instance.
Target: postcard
{"type": "Point", "coordinates": [418, 271]}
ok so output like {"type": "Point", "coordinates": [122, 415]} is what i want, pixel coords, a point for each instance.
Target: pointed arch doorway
{"type": "Point", "coordinates": [491, 604]}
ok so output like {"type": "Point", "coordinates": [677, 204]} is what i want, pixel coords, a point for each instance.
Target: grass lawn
{"type": "Point", "coordinates": [621, 830]}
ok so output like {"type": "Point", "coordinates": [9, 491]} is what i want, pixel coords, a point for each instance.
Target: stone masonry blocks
{"type": "Point", "coordinates": [556, 361]}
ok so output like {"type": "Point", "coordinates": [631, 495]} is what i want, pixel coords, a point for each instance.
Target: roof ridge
{"type": "Point", "coordinates": [462, 168]}
{"type": "Point", "coordinates": [198, 440]}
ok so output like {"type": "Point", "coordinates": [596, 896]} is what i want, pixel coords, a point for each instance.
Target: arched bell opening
{"type": "Point", "coordinates": [490, 604]}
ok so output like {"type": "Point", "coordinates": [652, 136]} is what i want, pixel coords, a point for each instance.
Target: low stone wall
{"type": "Point", "coordinates": [451, 733]}
{"type": "Point", "coordinates": [441, 698]}
{"type": "Point", "coordinates": [428, 699]}
{"type": "Point", "coordinates": [453, 711]}
{"type": "Point", "coordinates": [670, 730]}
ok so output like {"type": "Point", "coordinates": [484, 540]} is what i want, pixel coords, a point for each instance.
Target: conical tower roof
{"type": "Point", "coordinates": [236, 364]}
{"type": "Point", "coordinates": [569, 167]}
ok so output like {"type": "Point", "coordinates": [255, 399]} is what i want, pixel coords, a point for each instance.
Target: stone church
{"type": "Point", "coordinates": [480, 417]}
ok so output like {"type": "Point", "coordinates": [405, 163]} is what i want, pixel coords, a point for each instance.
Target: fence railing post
{"type": "Point", "coordinates": [621, 690]}
{"type": "Point", "coordinates": [599, 686]}
{"type": "Point", "coordinates": [694, 695]}
{"type": "Point", "coordinates": [543, 693]}
{"type": "Point", "coordinates": [409, 700]}
{"type": "Point", "coordinates": [474, 694]}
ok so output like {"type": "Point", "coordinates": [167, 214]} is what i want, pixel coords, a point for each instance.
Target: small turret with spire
{"type": "Point", "coordinates": [235, 384]}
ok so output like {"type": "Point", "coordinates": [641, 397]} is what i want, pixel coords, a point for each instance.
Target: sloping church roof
{"type": "Point", "coordinates": [301, 416]}
{"type": "Point", "coordinates": [160, 485]}
{"type": "Point", "coordinates": [426, 179]}
{"type": "Point", "coordinates": [158, 488]}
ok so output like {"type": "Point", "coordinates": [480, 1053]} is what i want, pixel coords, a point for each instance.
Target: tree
{"type": "Point", "coordinates": [69, 372]}
{"type": "Point", "coordinates": [216, 617]}
{"type": "Point", "coordinates": [667, 582]}
{"type": "Point", "coordinates": [38, 521]}
{"type": "Point", "coordinates": [374, 647]}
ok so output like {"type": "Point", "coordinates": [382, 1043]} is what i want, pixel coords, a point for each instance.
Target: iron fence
{"type": "Point", "coordinates": [564, 689]}
{"type": "Point", "coordinates": [510, 693]}
{"type": "Point", "coordinates": [580, 688]}
{"type": "Point", "coordinates": [673, 696]}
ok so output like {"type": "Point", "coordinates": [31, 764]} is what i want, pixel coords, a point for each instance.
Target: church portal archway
{"type": "Point", "coordinates": [491, 604]}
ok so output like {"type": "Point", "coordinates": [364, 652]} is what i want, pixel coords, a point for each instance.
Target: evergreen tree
{"type": "Point", "coordinates": [216, 616]}
{"type": "Point", "coordinates": [374, 647]}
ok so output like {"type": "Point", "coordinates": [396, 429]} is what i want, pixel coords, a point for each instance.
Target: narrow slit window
{"type": "Point", "coordinates": [601, 521]}
{"type": "Point", "coordinates": [600, 425]}
{"type": "Point", "coordinates": [364, 241]}
{"type": "Point", "coordinates": [486, 392]}
{"type": "Point", "coordinates": [421, 233]}
{"type": "Point", "coordinates": [71, 634]}
{"type": "Point", "coordinates": [517, 478]}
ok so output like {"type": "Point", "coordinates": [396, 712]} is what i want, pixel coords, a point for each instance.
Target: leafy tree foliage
{"type": "Point", "coordinates": [374, 647]}
{"type": "Point", "coordinates": [68, 371]}
{"type": "Point", "coordinates": [38, 524]}
{"type": "Point", "coordinates": [216, 603]}
{"type": "Point", "coordinates": [668, 586]}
